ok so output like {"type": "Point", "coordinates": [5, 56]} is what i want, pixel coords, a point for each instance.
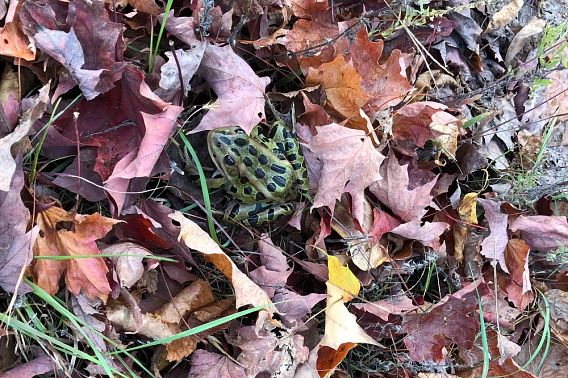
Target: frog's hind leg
{"type": "Point", "coordinates": [254, 214]}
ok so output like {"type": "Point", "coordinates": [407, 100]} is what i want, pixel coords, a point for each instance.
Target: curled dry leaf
{"type": "Point", "coordinates": [31, 115]}
{"type": "Point", "coordinates": [128, 261]}
{"type": "Point", "coordinates": [16, 43]}
{"type": "Point", "coordinates": [246, 291]}
{"type": "Point", "coordinates": [534, 27]}
{"type": "Point", "coordinates": [74, 235]}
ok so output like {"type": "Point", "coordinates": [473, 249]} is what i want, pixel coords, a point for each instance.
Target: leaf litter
{"type": "Point", "coordinates": [433, 239]}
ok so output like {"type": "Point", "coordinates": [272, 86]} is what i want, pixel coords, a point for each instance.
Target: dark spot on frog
{"type": "Point", "coordinates": [280, 181]}
{"type": "Point", "coordinates": [292, 157]}
{"type": "Point", "coordinates": [252, 150]}
{"type": "Point", "coordinates": [234, 210]}
{"type": "Point", "coordinates": [240, 142]}
{"type": "Point", "coordinates": [253, 219]}
{"type": "Point", "coordinates": [271, 214]}
{"type": "Point", "coordinates": [278, 168]}
{"type": "Point", "coordinates": [244, 180]}
{"type": "Point", "coordinates": [271, 187]}
{"type": "Point", "coordinates": [236, 151]}
{"type": "Point", "coordinates": [289, 145]}
{"type": "Point", "coordinates": [296, 165]}
{"type": "Point", "coordinates": [229, 160]}
{"type": "Point", "coordinates": [225, 140]}
{"type": "Point", "coordinates": [247, 161]}
{"type": "Point", "coordinates": [280, 146]}
{"type": "Point", "coordinates": [259, 173]}
{"type": "Point", "coordinates": [263, 159]}
{"type": "Point", "coordinates": [247, 190]}
{"type": "Point", "coordinates": [259, 196]}
{"type": "Point", "coordinates": [233, 189]}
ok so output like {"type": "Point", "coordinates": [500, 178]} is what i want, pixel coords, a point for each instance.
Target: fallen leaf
{"type": "Point", "coordinates": [246, 291]}
{"type": "Point", "coordinates": [264, 351]}
{"type": "Point", "coordinates": [396, 305]}
{"type": "Point", "coordinates": [541, 232]}
{"type": "Point", "coordinates": [294, 308]}
{"type": "Point", "coordinates": [386, 84]}
{"type": "Point", "coordinates": [517, 259]}
{"type": "Point", "coordinates": [342, 160]}
{"type": "Point", "coordinates": [532, 28]}
{"type": "Point", "coordinates": [428, 234]}
{"type": "Point", "coordinates": [240, 93]}
{"type": "Point", "coordinates": [75, 235]}
{"type": "Point", "coordinates": [342, 277]}
{"type": "Point", "coordinates": [15, 243]}
{"type": "Point", "coordinates": [195, 296]}
{"type": "Point", "coordinates": [206, 364]}
{"type": "Point", "coordinates": [89, 45]}
{"type": "Point", "coordinates": [342, 86]}
{"type": "Point", "coordinates": [342, 333]}
{"type": "Point", "coordinates": [427, 333]}
{"type": "Point", "coordinates": [493, 246]}
{"type": "Point", "coordinates": [38, 366]}
{"type": "Point", "coordinates": [15, 42]}
{"type": "Point", "coordinates": [392, 191]}
{"type": "Point", "coordinates": [170, 85]}
{"type": "Point", "coordinates": [31, 115]}
{"type": "Point", "coordinates": [128, 262]}
{"type": "Point", "coordinates": [505, 15]}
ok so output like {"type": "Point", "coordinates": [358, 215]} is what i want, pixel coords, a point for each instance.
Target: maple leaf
{"type": "Point", "coordinates": [206, 364]}
{"type": "Point", "coordinates": [427, 334]}
{"type": "Point", "coordinates": [246, 291]}
{"type": "Point", "coordinates": [170, 85]}
{"type": "Point", "coordinates": [89, 45]}
{"type": "Point", "coordinates": [15, 243]}
{"type": "Point", "coordinates": [342, 86]}
{"type": "Point", "coordinates": [422, 121]}
{"type": "Point", "coordinates": [240, 92]}
{"type": "Point", "coordinates": [542, 232]}
{"type": "Point", "coordinates": [392, 190]}
{"type": "Point", "coordinates": [75, 235]}
{"type": "Point", "coordinates": [428, 234]}
{"type": "Point", "coordinates": [342, 160]}
{"type": "Point", "coordinates": [386, 83]}
{"type": "Point", "coordinates": [493, 246]}
{"type": "Point", "coordinates": [15, 43]}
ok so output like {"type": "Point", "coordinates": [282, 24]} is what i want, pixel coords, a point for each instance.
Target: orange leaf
{"type": "Point", "coordinates": [70, 234]}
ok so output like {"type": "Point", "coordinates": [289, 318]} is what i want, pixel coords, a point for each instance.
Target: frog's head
{"type": "Point", "coordinates": [225, 145]}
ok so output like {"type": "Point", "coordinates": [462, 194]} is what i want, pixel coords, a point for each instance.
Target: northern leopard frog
{"type": "Point", "coordinates": [263, 175]}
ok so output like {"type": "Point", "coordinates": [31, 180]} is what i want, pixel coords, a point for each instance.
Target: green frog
{"type": "Point", "coordinates": [263, 175]}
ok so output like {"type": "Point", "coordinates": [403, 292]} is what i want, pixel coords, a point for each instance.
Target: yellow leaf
{"type": "Point", "coordinates": [467, 208]}
{"type": "Point", "coordinates": [340, 276]}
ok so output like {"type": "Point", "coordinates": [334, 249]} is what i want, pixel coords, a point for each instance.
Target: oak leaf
{"type": "Point", "coordinates": [519, 286]}
{"type": "Point", "coordinates": [342, 160]}
{"type": "Point", "coordinates": [206, 364]}
{"type": "Point", "coordinates": [74, 235]}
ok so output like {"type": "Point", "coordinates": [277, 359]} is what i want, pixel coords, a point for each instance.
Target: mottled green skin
{"type": "Point", "coordinates": [262, 174]}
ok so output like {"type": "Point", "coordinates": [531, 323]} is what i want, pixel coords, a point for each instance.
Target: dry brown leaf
{"type": "Point", "coordinates": [342, 86]}
{"type": "Point", "coordinates": [246, 291]}
{"type": "Point", "coordinates": [505, 15]}
{"type": "Point", "coordinates": [191, 298]}
{"type": "Point", "coordinates": [128, 262]}
{"type": "Point", "coordinates": [15, 42]}
{"type": "Point", "coordinates": [534, 27]}
{"type": "Point", "coordinates": [69, 234]}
